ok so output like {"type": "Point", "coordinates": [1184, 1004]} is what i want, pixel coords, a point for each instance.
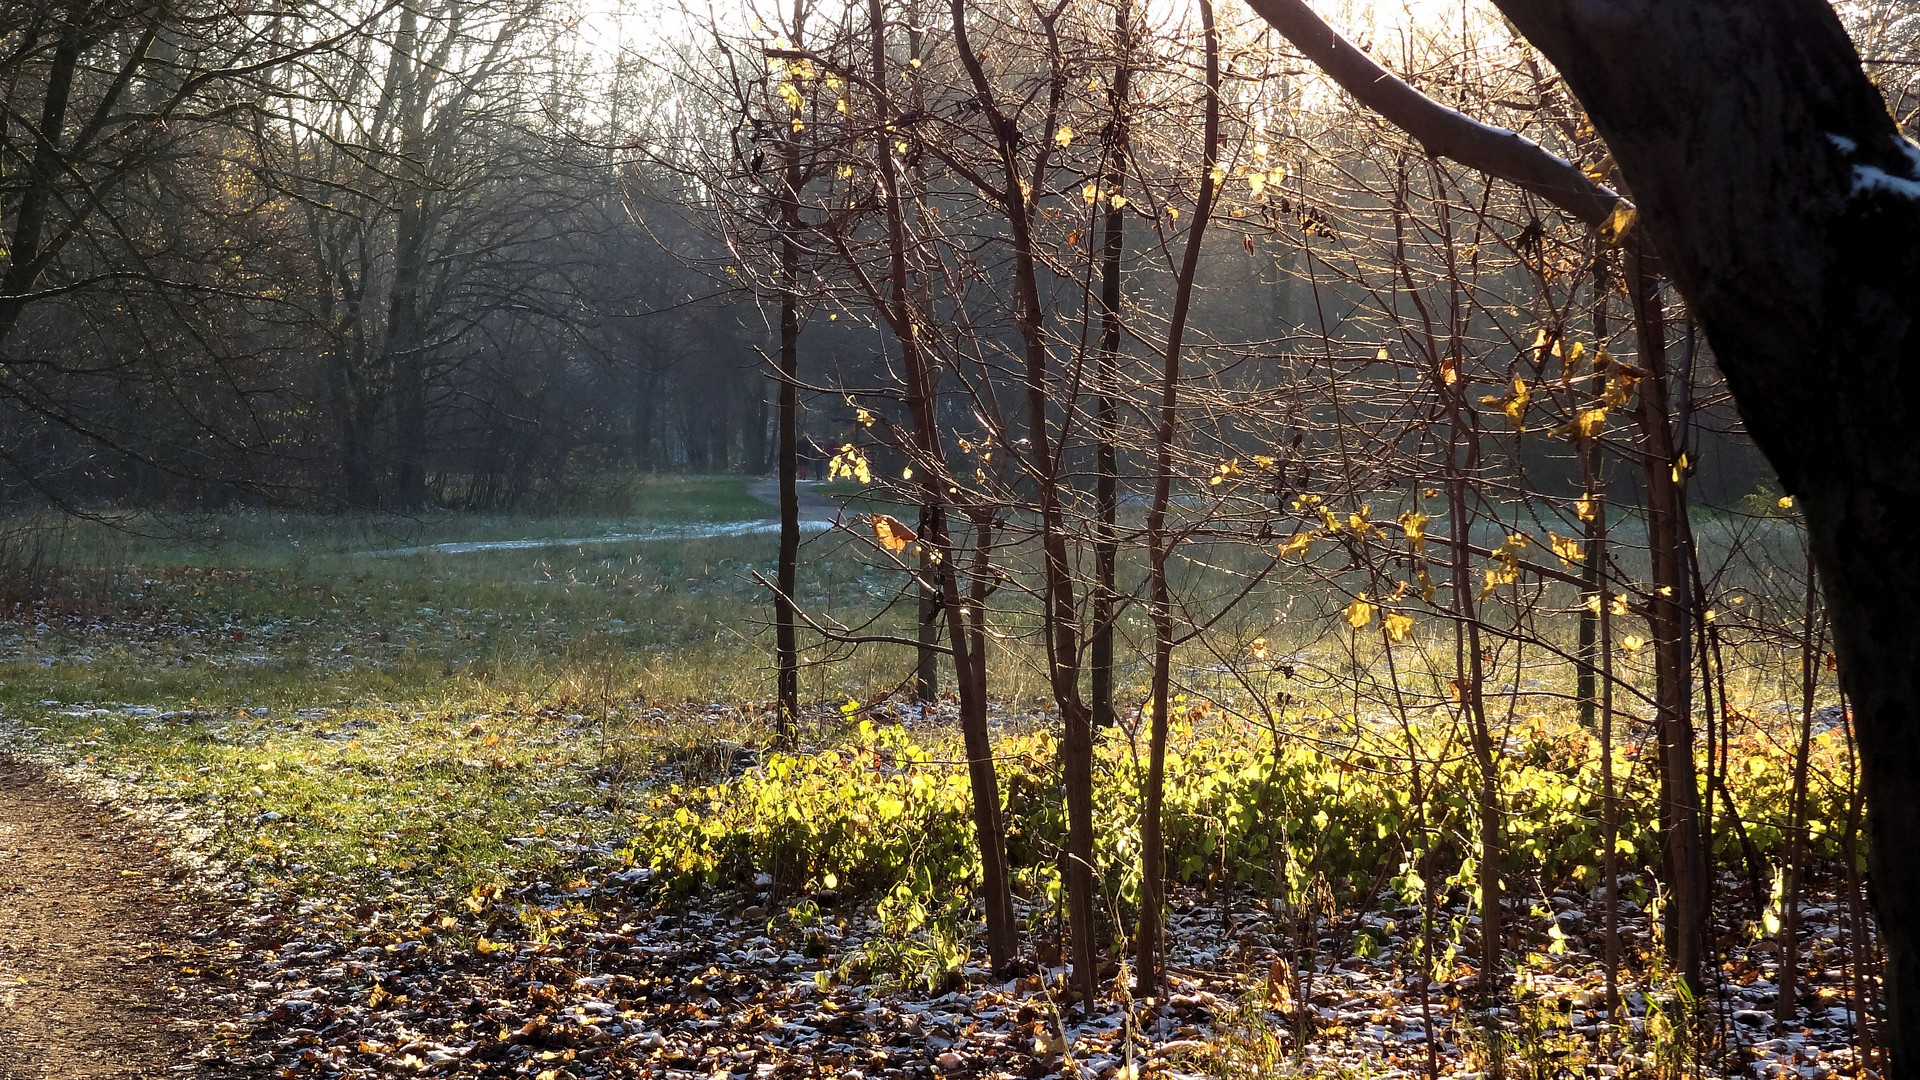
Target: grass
{"type": "Point", "coordinates": [340, 724]}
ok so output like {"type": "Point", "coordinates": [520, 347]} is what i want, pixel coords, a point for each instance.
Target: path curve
{"type": "Point", "coordinates": [89, 915]}
{"type": "Point", "coordinates": [813, 505]}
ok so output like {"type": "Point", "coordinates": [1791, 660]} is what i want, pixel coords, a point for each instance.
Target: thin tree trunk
{"type": "Point", "coordinates": [1668, 622]}
{"type": "Point", "coordinates": [786, 630]}
{"type": "Point", "coordinates": [1160, 600]}
{"type": "Point", "coordinates": [1787, 1005]}
{"type": "Point", "coordinates": [965, 623]}
{"type": "Point", "coordinates": [1106, 543]}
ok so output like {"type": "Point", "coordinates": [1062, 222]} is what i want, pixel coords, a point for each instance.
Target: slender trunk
{"type": "Point", "coordinates": [1160, 600]}
{"type": "Point", "coordinates": [25, 259]}
{"type": "Point", "coordinates": [1585, 656]}
{"type": "Point", "coordinates": [1668, 622]}
{"type": "Point", "coordinates": [1787, 1005]}
{"type": "Point", "coordinates": [1059, 618]}
{"type": "Point", "coordinates": [1609, 790]}
{"type": "Point", "coordinates": [786, 631]}
{"type": "Point", "coordinates": [965, 622]}
{"type": "Point", "coordinates": [1469, 677]}
{"type": "Point", "coordinates": [1106, 543]}
{"type": "Point", "coordinates": [926, 670]}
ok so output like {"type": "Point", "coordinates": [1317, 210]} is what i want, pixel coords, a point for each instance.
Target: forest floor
{"type": "Point", "coordinates": [271, 808]}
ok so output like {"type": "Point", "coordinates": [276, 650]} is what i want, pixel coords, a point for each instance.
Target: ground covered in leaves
{"type": "Point", "coordinates": [579, 964]}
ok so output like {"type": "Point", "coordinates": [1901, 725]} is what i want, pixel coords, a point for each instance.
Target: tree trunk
{"type": "Point", "coordinates": [786, 635]}
{"type": "Point", "coordinates": [966, 622]}
{"type": "Point", "coordinates": [1786, 206]}
{"type": "Point", "coordinates": [1160, 600]}
{"type": "Point", "coordinates": [1106, 543]}
{"type": "Point", "coordinates": [1668, 621]}
{"type": "Point", "coordinates": [1787, 1005]}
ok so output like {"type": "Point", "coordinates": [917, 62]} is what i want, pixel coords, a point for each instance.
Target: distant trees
{"type": "Point", "coordinates": [390, 254]}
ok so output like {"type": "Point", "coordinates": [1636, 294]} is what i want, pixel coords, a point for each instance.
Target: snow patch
{"type": "Point", "coordinates": [684, 532]}
{"type": "Point", "coordinates": [1867, 179]}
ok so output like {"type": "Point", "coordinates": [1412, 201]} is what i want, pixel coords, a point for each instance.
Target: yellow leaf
{"type": "Point", "coordinates": [1300, 543]}
{"type": "Point", "coordinates": [1415, 524]}
{"type": "Point", "coordinates": [1619, 222]}
{"type": "Point", "coordinates": [1515, 403]}
{"type": "Point", "coordinates": [1064, 136]}
{"type": "Point", "coordinates": [1632, 642]}
{"type": "Point", "coordinates": [864, 417]}
{"type": "Point", "coordinates": [1090, 193]}
{"type": "Point", "coordinates": [892, 533]}
{"type": "Point", "coordinates": [1619, 391]}
{"type": "Point", "coordinates": [1259, 648]}
{"type": "Point", "coordinates": [850, 462]}
{"type": "Point", "coordinates": [1585, 507]}
{"type": "Point", "coordinates": [1619, 605]}
{"type": "Point", "coordinates": [1496, 576]}
{"type": "Point", "coordinates": [1567, 548]}
{"type": "Point", "coordinates": [1398, 626]}
{"type": "Point", "coordinates": [1588, 423]}
{"type": "Point", "coordinates": [1786, 502]}
{"type": "Point", "coordinates": [1119, 201]}
{"type": "Point", "coordinates": [1359, 613]}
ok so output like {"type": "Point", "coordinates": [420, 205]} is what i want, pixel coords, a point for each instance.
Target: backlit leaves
{"type": "Point", "coordinates": [1360, 612]}
{"type": "Point", "coordinates": [1513, 404]}
{"type": "Point", "coordinates": [1567, 549]}
{"type": "Point", "coordinates": [850, 462]}
{"type": "Point", "coordinates": [892, 533]}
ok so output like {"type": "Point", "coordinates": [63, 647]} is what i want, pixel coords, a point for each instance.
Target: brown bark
{"type": "Point", "coordinates": [1781, 197]}
{"type": "Point", "coordinates": [1160, 600]}
{"type": "Point", "coordinates": [1106, 543]}
{"type": "Point", "coordinates": [1668, 622]}
{"type": "Point", "coordinates": [1060, 621]}
{"type": "Point", "coordinates": [964, 621]}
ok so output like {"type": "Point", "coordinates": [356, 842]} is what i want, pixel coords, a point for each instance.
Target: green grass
{"type": "Point", "coordinates": [373, 726]}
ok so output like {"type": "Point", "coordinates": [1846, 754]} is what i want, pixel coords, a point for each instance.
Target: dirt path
{"type": "Point", "coordinates": [813, 505]}
{"type": "Point", "coordinates": [89, 914]}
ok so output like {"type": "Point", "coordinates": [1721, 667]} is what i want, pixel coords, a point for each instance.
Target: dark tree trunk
{"type": "Point", "coordinates": [1148, 958]}
{"type": "Point", "coordinates": [966, 621]}
{"type": "Point", "coordinates": [1668, 621]}
{"type": "Point", "coordinates": [1786, 207]}
{"type": "Point", "coordinates": [1106, 543]}
{"type": "Point", "coordinates": [786, 634]}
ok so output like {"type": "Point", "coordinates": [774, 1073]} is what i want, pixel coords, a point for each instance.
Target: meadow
{"type": "Point", "coordinates": [337, 719]}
